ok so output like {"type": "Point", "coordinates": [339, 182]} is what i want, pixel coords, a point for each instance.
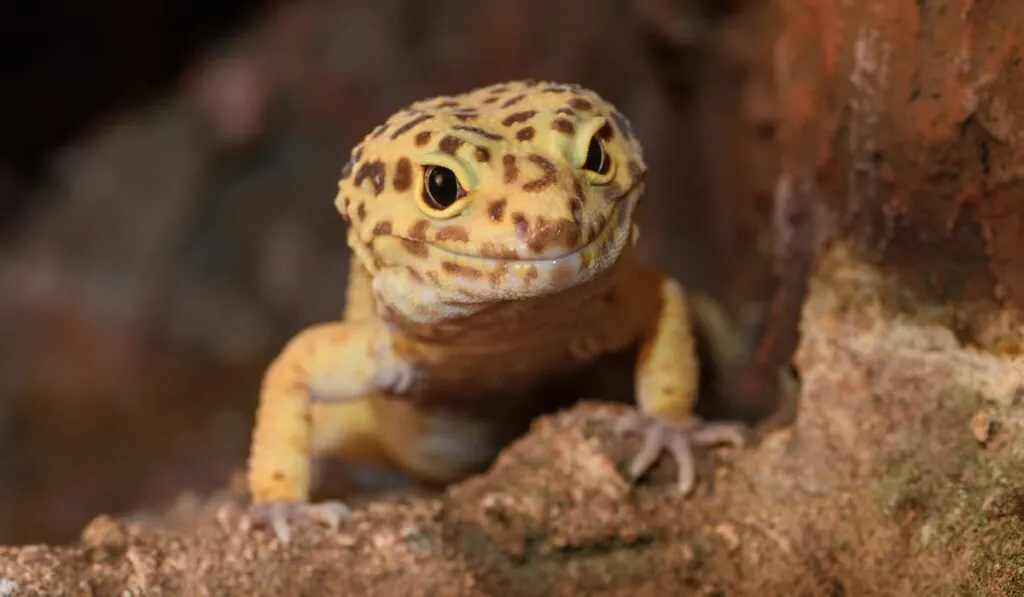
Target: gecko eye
{"type": "Point", "coordinates": [597, 160]}
{"type": "Point", "coordinates": [441, 188]}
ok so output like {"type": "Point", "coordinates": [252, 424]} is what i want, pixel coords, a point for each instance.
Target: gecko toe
{"type": "Point", "coordinates": [280, 517]}
{"type": "Point", "coordinates": [631, 422]}
{"type": "Point", "coordinates": [679, 444]}
{"type": "Point", "coordinates": [330, 513]}
{"type": "Point", "coordinates": [714, 434]}
{"type": "Point", "coordinates": [660, 435]}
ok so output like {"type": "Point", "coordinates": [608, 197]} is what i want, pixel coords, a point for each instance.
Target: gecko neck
{"type": "Point", "coordinates": [511, 323]}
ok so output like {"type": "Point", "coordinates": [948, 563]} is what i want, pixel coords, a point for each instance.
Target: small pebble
{"type": "Point", "coordinates": [981, 427]}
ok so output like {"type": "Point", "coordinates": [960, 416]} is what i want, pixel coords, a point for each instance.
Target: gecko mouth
{"type": "Point", "coordinates": [615, 228]}
{"type": "Point", "coordinates": [609, 229]}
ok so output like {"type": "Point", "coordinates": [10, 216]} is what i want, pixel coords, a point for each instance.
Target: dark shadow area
{"type": "Point", "coordinates": [69, 66]}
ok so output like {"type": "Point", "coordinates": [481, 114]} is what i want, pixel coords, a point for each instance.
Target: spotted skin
{"type": "Point", "coordinates": [458, 315]}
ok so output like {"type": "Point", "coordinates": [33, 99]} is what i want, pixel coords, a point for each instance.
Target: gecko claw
{"type": "Point", "coordinates": [281, 516]}
{"type": "Point", "coordinates": [666, 436]}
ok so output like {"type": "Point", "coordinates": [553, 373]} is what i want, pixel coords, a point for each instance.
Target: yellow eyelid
{"type": "Point", "coordinates": [587, 131]}
{"type": "Point", "coordinates": [467, 180]}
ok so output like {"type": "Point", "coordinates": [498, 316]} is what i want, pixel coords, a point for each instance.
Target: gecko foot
{"type": "Point", "coordinates": [661, 435]}
{"type": "Point", "coordinates": [281, 516]}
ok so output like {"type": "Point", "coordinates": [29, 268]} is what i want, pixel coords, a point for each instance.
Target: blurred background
{"type": "Point", "coordinates": [167, 171]}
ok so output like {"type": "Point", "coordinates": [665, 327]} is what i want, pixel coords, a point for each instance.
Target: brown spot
{"type": "Point", "coordinates": [455, 233]}
{"type": "Point", "coordinates": [447, 104]}
{"type": "Point", "coordinates": [278, 476]}
{"type": "Point", "coordinates": [422, 138]}
{"type": "Point", "coordinates": [562, 232]}
{"type": "Point", "coordinates": [595, 228]}
{"type": "Point", "coordinates": [378, 131]}
{"type": "Point", "coordinates": [563, 126]}
{"type": "Point", "coordinates": [511, 171]}
{"type": "Point", "coordinates": [418, 231]}
{"type": "Point", "coordinates": [577, 187]}
{"type": "Point", "coordinates": [669, 391]}
{"type": "Point", "coordinates": [635, 170]}
{"type": "Point", "coordinates": [497, 275]}
{"type": "Point", "coordinates": [622, 216]}
{"type": "Point", "coordinates": [518, 117]}
{"type": "Point", "coordinates": [547, 179]}
{"type": "Point", "coordinates": [465, 115]}
{"type": "Point", "coordinates": [357, 153]}
{"type": "Point", "coordinates": [450, 144]}
{"type": "Point", "coordinates": [482, 155]}
{"type": "Point", "coordinates": [566, 111]}
{"type": "Point", "coordinates": [461, 270]}
{"type": "Point", "coordinates": [521, 224]}
{"type": "Point", "coordinates": [623, 123]}
{"type": "Point", "coordinates": [492, 99]}
{"type": "Point", "coordinates": [375, 171]}
{"type": "Point", "coordinates": [417, 249]}
{"type": "Point", "coordinates": [496, 209]}
{"type": "Point", "coordinates": [610, 298]}
{"type": "Point", "coordinates": [577, 210]}
{"type": "Point", "coordinates": [415, 275]}
{"type": "Point", "coordinates": [557, 89]}
{"type": "Point", "coordinates": [581, 104]}
{"type": "Point", "coordinates": [382, 227]}
{"type": "Point", "coordinates": [434, 278]}
{"type": "Point", "coordinates": [513, 100]}
{"type": "Point", "coordinates": [403, 175]}
{"type": "Point", "coordinates": [361, 211]}
{"type": "Point", "coordinates": [612, 193]}
{"type": "Point", "coordinates": [525, 134]}
{"type": "Point", "coordinates": [531, 274]}
{"type": "Point", "coordinates": [405, 127]}
{"type": "Point", "coordinates": [489, 250]}
{"type": "Point", "coordinates": [478, 131]}
{"type": "Point", "coordinates": [606, 132]}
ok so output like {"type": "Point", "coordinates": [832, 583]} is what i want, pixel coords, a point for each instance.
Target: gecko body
{"type": "Point", "coordinates": [493, 267]}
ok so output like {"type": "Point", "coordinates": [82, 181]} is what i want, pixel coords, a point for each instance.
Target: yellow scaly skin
{"type": "Point", "coordinates": [492, 236]}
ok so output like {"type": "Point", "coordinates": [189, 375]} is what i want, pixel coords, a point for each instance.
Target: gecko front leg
{"type": "Point", "coordinates": [338, 363]}
{"type": "Point", "coordinates": [666, 383]}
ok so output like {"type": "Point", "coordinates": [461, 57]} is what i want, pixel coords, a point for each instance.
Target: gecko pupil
{"type": "Point", "coordinates": [597, 160]}
{"type": "Point", "coordinates": [442, 186]}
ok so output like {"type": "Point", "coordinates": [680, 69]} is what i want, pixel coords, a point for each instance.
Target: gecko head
{"type": "Point", "coordinates": [506, 192]}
